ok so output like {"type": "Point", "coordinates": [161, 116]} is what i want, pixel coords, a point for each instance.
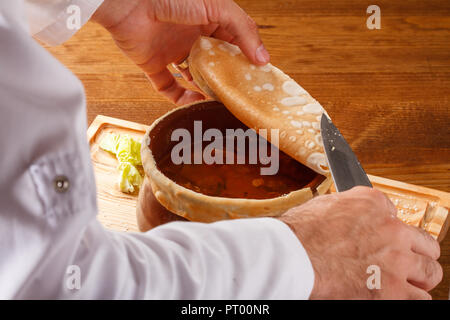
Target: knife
{"type": "Point", "coordinates": [343, 163]}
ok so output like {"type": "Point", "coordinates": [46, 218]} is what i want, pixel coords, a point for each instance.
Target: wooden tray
{"type": "Point", "coordinates": [117, 210]}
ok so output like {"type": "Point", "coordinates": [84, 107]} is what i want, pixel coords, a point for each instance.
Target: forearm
{"type": "Point", "coordinates": [246, 259]}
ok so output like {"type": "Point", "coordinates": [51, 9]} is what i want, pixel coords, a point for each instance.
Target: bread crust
{"type": "Point", "coordinates": [262, 98]}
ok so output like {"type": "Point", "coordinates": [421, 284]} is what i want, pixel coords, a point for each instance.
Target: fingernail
{"type": "Point", "coordinates": [262, 55]}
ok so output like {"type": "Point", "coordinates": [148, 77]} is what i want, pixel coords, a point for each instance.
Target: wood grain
{"type": "Point", "coordinates": [387, 90]}
{"type": "Point", "coordinates": [117, 210]}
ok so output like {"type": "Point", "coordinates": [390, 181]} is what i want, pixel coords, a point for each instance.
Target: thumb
{"type": "Point", "coordinates": [239, 29]}
{"type": "Point", "coordinates": [231, 22]}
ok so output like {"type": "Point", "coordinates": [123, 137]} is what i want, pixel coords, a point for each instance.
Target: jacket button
{"type": "Point", "coordinates": [61, 184]}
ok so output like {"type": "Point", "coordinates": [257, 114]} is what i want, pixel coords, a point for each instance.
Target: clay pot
{"type": "Point", "coordinates": [162, 200]}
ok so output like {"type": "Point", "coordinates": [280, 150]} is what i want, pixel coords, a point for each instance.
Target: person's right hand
{"type": "Point", "coordinates": [346, 233]}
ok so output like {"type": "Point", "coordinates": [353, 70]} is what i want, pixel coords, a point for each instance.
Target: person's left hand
{"type": "Point", "coordinates": [156, 33]}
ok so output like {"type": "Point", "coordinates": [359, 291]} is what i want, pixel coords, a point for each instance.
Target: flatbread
{"type": "Point", "coordinates": [262, 97]}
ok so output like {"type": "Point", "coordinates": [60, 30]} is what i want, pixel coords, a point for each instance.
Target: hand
{"type": "Point", "coordinates": [156, 33]}
{"type": "Point", "coordinates": [347, 232]}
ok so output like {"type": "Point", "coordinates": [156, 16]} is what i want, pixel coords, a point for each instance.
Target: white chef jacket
{"type": "Point", "coordinates": [49, 232]}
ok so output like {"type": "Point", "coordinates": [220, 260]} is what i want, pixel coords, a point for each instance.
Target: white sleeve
{"type": "Point", "coordinates": [245, 259]}
{"type": "Point", "coordinates": [51, 244]}
{"type": "Point", "coordinates": [55, 21]}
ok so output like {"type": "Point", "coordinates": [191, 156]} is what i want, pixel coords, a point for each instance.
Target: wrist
{"type": "Point", "coordinates": [292, 222]}
{"type": "Point", "coordinates": [113, 12]}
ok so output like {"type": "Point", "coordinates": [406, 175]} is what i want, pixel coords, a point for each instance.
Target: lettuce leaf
{"type": "Point", "coordinates": [128, 153]}
{"type": "Point", "coordinates": [110, 142]}
{"type": "Point", "coordinates": [128, 150]}
{"type": "Point", "coordinates": [129, 177]}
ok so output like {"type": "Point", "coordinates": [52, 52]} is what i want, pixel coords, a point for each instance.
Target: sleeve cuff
{"type": "Point", "coordinates": [297, 261]}
{"type": "Point", "coordinates": [263, 255]}
{"type": "Point", "coordinates": [49, 23]}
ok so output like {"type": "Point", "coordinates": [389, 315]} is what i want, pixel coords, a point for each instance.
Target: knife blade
{"type": "Point", "coordinates": [345, 168]}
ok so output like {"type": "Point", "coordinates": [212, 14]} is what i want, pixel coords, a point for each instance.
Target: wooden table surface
{"type": "Point", "coordinates": [388, 90]}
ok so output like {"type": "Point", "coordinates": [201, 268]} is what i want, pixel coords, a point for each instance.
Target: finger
{"type": "Point", "coordinates": [414, 293]}
{"type": "Point", "coordinates": [358, 191]}
{"type": "Point", "coordinates": [425, 273]}
{"type": "Point", "coordinates": [185, 73]}
{"type": "Point", "coordinates": [181, 61]}
{"type": "Point", "coordinates": [390, 205]}
{"type": "Point", "coordinates": [208, 29]}
{"type": "Point", "coordinates": [423, 243]}
{"type": "Point", "coordinates": [165, 83]}
{"type": "Point", "coordinates": [227, 14]}
{"type": "Point", "coordinates": [189, 97]}
{"type": "Point", "coordinates": [182, 66]}
{"type": "Point", "coordinates": [230, 17]}
{"type": "Point", "coordinates": [222, 34]}
{"type": "Point", "coordinates": [373, 194]}
{"type": "Point", "coordinates": [382, 198]}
